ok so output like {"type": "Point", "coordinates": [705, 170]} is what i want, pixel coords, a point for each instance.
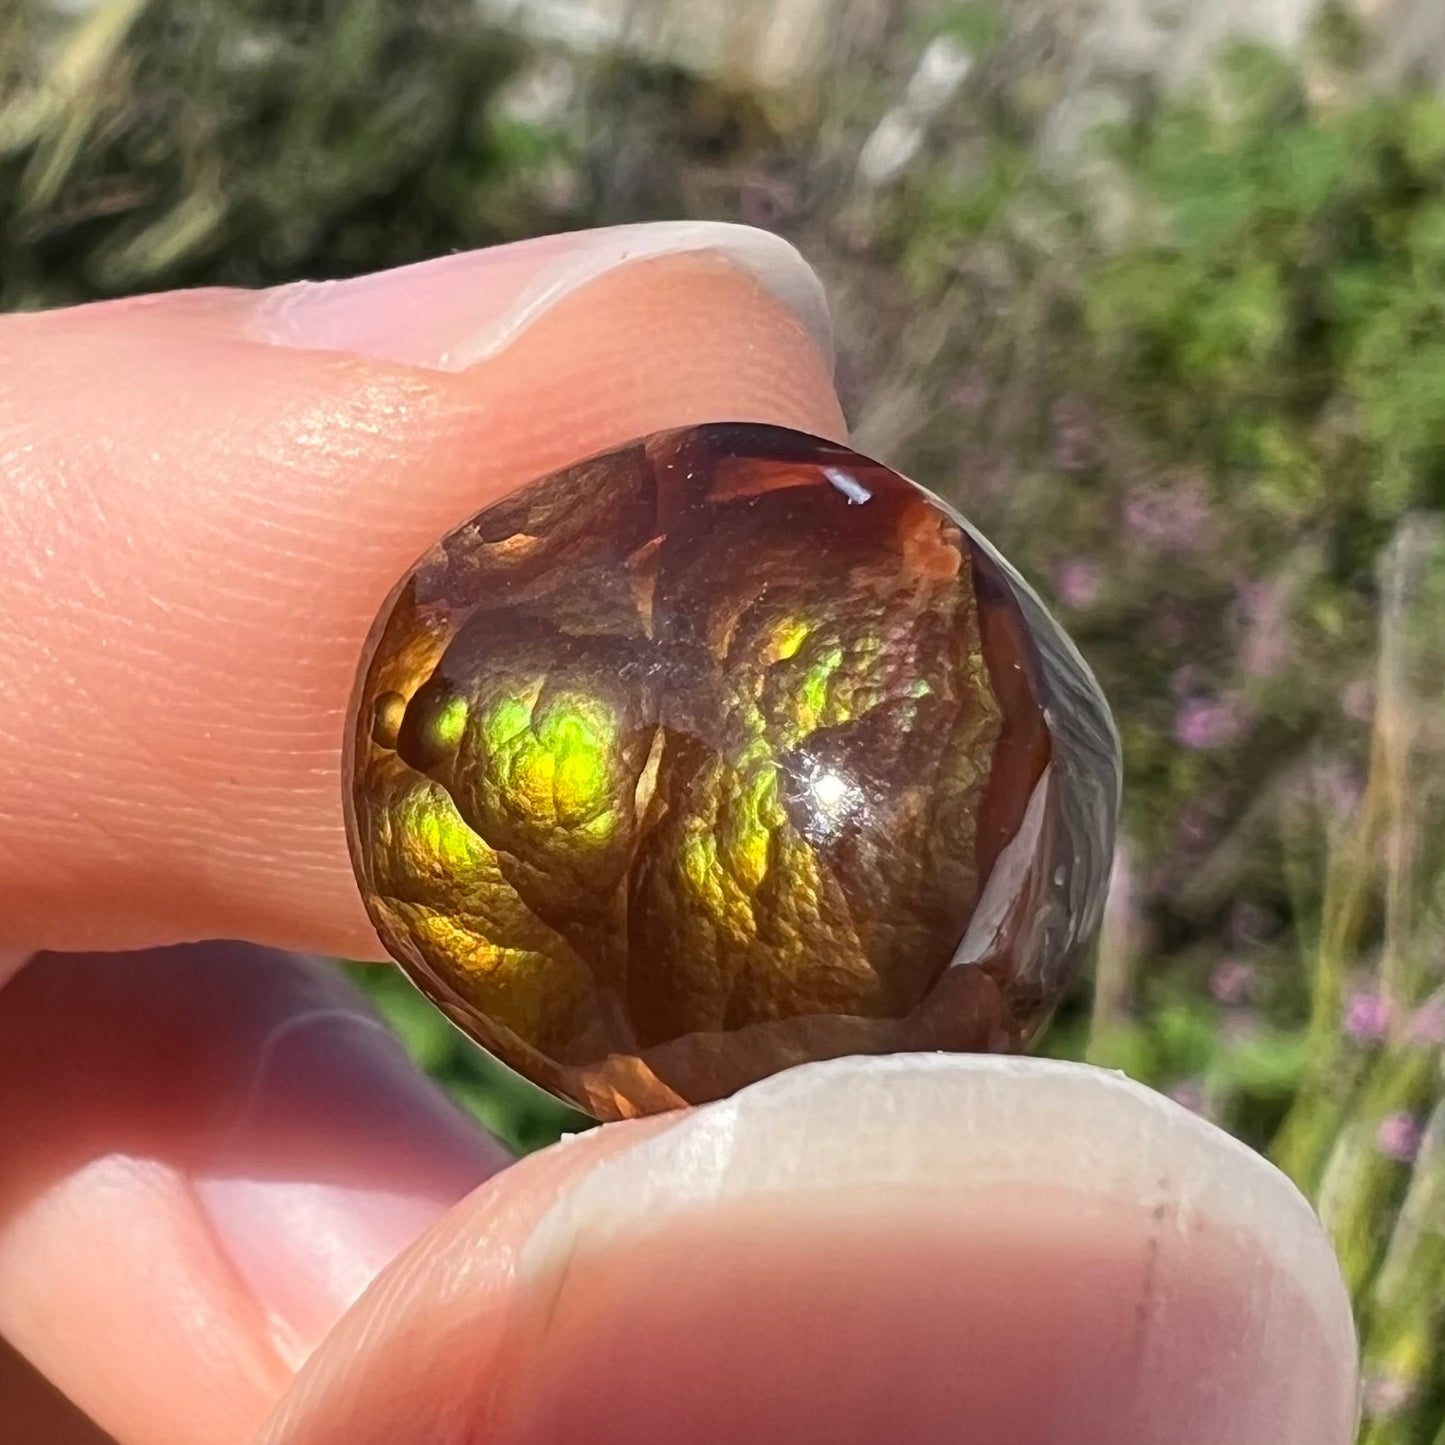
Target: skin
{"type": "Point", "coordinates": [230, 1210]}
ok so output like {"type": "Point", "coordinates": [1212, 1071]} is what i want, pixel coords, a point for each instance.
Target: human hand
{"type": "Point", "coordinates": [208, 1152]}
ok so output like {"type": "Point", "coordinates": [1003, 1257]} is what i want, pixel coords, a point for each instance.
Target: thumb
{"type": "Point", "coordinates": [927, 1247]}
{"type": "Point", "coordinates": [207, 496]}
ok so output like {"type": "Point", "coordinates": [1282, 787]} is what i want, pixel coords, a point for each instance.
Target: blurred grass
{"type": "Point", "coordinates": [156, 143]}
{"type": "Point", "coordinates": [1195, 387]}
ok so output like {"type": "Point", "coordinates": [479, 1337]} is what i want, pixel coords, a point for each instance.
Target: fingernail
{"type": "Point", "coordinates": [450, 313]}
{"type": "Point", "coordinates": [335, 1154]}
{"type": "Point", "coordinates": [1111, 1266]}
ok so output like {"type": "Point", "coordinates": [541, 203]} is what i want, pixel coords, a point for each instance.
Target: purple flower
{"type": "Point", "coordinates": [1195, 826]}
{"type": "Point", "coordinates": [1357, 701]}
{"type": "Point", "coordinates": [970, 392]}
{"type": "Point", "coordinates": [1187, 680]}
{"type": "Point", "coordinates": [989, 477]}
{"type": "Point", "coordinates": [1172, 518]}
{"type": "Point", "coordinates": [1075, 448]}
{"type": "Point", "coordinates": [1367, 1016]}
{"type": "Point", "coordinates": [1232, 982]}
{"type": "Point", "coordinates": [1339, 787]}
{"type": "Point", "coordinates": [1203, 723]}
{"type": "Point", "coordinates": [1386, 1395]}
{"type": "Point", "coordinates": [1189, 1093]}
{"type": "Point", "coordinates": [1248, 923]}
{"type": "Point", "coordinates": [764, 205]}
{"type": "Point", "coordinates": [1252, 598]}
{"type": "Point", "coordinates": [1264, 606]}
{"type": "Point", "coordinates": [1264, 652]}
{"type": "Point", "coordinates": [1170, 625]}
{"type": "Point", "coordinates": [1398, 1137]}
{"type": "Point", "coordinates": [1076, 582]}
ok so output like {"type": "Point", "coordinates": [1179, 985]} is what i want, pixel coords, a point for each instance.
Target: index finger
{"type": "Point", "coordinates": [208, 497]}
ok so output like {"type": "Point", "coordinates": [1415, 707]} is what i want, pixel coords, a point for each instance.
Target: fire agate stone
{"type": "Point", "coordinates": [726, 751]}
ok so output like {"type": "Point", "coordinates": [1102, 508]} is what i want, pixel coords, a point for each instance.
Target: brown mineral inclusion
{"type": "Point", "coordinates": [726, 751]}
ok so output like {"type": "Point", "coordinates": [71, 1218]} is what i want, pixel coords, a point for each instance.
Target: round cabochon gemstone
{"type": "Point", "coordinates": [726, 751]}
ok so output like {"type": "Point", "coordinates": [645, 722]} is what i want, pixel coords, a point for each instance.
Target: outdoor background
{"type": "Point", "coordinates": [1163, 313]}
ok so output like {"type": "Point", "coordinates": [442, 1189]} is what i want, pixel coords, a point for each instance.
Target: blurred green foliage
{"type": "Point", "coordinates": [1216, 365]}
{"type": "Point", "coordinates": [1287, 325]}
{"type": "Point", "coordinates": [161, 143]}
{"type": "Point", "coordinates": [1193, 384]}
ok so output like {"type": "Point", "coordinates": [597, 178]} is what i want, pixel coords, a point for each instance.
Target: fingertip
{"type": "Point", "coordinates": [923, 1247]}
{"type": "Point", "coordinates": [211, 525]}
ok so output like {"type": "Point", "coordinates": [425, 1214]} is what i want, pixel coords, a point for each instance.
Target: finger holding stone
{"type": "Point", "coordinates": [213, 493]}
{"type": "Point", "coordinates": [973, 1251]}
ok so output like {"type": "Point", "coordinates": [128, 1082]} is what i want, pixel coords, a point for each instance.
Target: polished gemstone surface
{"type": "Point", "coordinates": [726, 751]}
